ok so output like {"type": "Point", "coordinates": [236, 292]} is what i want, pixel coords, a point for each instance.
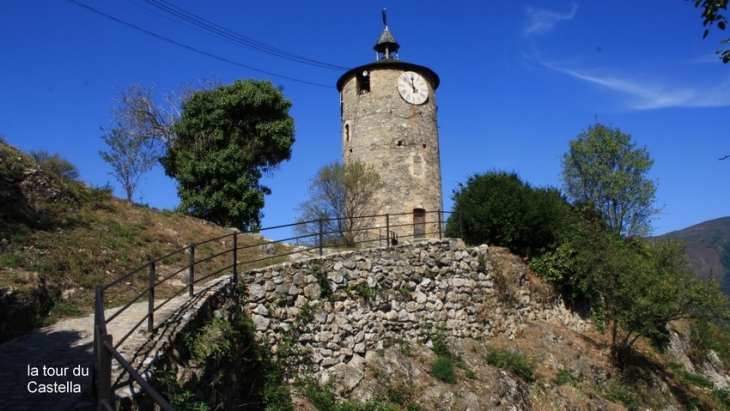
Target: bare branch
{"type": "Point", "coordinates": [342, 196]}
{"type": "Point", "coordinates": [139, 116]}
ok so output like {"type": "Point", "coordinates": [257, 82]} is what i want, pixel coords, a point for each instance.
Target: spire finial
{"type": "Point", "coordinates": [386, 47]}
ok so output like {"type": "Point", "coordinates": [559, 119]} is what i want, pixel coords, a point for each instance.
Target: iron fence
{"type": "Point", "coordinates": [312, 236]}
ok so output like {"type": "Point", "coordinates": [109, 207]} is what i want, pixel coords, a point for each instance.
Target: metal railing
{"type": "Point", "coordinates": [377, 230]}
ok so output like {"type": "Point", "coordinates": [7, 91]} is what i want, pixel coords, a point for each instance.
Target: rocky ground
{"type": "Point", "coordinates": [569, 371]}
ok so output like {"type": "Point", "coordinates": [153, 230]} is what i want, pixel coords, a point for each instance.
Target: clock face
{"type": "Point", "coordinates": [413, 87]}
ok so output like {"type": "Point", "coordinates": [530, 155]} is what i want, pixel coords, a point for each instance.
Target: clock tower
{"type": "Point", "coordinates": [388, 111]}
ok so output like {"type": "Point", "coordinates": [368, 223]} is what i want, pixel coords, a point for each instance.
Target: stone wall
{"type": "Point", "coordinates": [402, 293]}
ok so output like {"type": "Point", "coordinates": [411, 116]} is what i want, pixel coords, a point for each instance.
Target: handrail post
{"type": "Point", "coordinates": [105, 370]}
{"type": "Point", "coordinates": [191, 269]}
{"type": "Point", "coordinates": [151, 300]}
{"type": "Point", "coordinates": [387, 230]}
{"type": "Point", "coordinates": [321, 237]}
{"type": "Point", "coordinates": [234, 280]}
{"type": "Point", "coordinates": [461, 228]}
{"type": "Point", "coordinates": [440, 222]}
{"type": "Point", "coordinates": [97, 340]}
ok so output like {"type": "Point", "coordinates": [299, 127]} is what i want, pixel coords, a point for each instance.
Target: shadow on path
{"type": "Point", "coordinates": [49, 369]}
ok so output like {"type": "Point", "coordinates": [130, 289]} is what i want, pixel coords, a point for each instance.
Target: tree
{"type": "Point", "coordinates": [138, 116]}
{"type": "Point", "coordinates": [143, 129]}
{"type": "Point", "coordinates": [500, 209]}
{"type": "Point", "coordinates": [605, 170]}
{"type": "Point", "coordinates": [711, 14]}
{"type": "Point", "coordinates": [226, 139]}
{"type": "Point", "coordinates": [55, 164]}
{"type": "Point", "coordinates": [130, 157]}
{"type": "Point", "coordinates": [342, 197]}
{"type": "Point", "coordinates": [137, 113]}
{"type": "Point", "coordinates": [632, 287]}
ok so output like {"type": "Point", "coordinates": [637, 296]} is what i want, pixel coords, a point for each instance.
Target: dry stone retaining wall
{"type": "Point", "coordinates": [391, 294]}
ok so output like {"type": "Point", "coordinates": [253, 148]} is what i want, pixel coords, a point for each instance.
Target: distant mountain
{"type": "Point", "coordinates": [708, 246]}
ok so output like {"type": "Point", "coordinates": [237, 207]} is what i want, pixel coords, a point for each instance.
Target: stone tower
{"type": "Point", "coordinates": [388, 111]}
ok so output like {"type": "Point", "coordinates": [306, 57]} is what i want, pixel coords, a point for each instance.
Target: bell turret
{"type": "Point", "coordinates": [386, 47]}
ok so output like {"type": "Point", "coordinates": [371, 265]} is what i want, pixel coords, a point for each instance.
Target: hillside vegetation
{"type": "Point", "coordinates": [708, 247]}
{"type": "Point", "coordinates": [60, 238]}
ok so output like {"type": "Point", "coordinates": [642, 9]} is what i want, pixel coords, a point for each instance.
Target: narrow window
{"type": "Point", "coordinates": [347, 133]}
{"type": "Point", "coordinates": [363, 82]}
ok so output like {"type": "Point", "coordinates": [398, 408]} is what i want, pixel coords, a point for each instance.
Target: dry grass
{"type": "Point", "coordinates": [59, 239]}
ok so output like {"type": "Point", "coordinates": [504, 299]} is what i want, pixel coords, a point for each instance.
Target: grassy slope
{"type": "Point", "coordinates": [59, 239]}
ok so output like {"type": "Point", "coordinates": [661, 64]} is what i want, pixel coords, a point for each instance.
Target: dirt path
{"type": "Point", "coordinates": [58, 358]}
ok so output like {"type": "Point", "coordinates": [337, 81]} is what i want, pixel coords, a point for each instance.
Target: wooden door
{"type": "Point", "coordinates": [419, 223]}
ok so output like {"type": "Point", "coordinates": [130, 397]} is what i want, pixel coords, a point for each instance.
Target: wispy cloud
{"type": "Point", "coordinates": [643, 94]}
{"type": "Point", "coordinates": [541, 21]}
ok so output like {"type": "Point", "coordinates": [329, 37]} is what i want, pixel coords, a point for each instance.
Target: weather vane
{"type": "Point", "coordinates": [385, 19]}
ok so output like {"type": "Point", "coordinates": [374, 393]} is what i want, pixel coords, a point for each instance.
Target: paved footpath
{"type": "Point", "coordinates": [59, 358]}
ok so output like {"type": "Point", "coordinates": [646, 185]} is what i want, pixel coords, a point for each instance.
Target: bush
{"type": "Point", "coordinates": [55, 164]}
{"type": "Point", "coordinates": [511, 361]}
{"type": "Point", "coordinates": [499, 208]}
{"type": "Point", "coordinates": [362, 290]}
{"type": "Point", "coordinates": [564, 377]}
{"type": "Point", "coordinates": [325, 288]}
{"type": "Point", "coordinates": [443, 369]}
{"type": "Point", "coordinates": [707, 336]}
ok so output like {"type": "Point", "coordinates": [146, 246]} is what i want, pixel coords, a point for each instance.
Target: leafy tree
{"type": "Point", "coordinates": [130, 157]}
{"type": "Point", "coordinates": [499, 208]}
{"type": "Point", "coordinates": [342, 197]}
{"type": "Point", "coordinates": [634, 288]}
{"type": "Point", "coordinates": [605, 170]}
{"type": "Point", "coordinates": [226, 139]}
{"type": "Point", "coordinates": [56, 164]}
{"type": "Point", "coordinates": [712, 13]}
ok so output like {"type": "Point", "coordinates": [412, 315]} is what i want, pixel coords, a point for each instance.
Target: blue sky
{"type": "Point", "coordinates": [519, 80]}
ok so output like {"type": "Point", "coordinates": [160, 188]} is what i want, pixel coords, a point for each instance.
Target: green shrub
{"type": "Point", "coordinates": [244, 364]}
{"type": "Point", "coordinates": [511, 361]}
{"type": "Point", "coordinates": [690, 378]}
{"type": "Point", "coordinates": [443, 369]}
{"type": "Point", "coordinates": [325, 288]}
{"type": "Point", "coordinates": [11, 260]}
{"type": "Point", "coordinates": [722, 397]}
{"type": "Point", "coordinates": [362, 290]}
{"type": "Point", "coordinates": [180, 398]}
{"type": "Point", "coordinates": [322, 397]}
{"type": "Point", "coordinates": [620, 391]}
{"type": "Point", "coordinates": [499, 208]}
{"type": "Point", "coordinates": [709, 336]}
{"type": "Point", "coordinates": [440, 344]}
{"type": "Point", "coordinates": [55, 164]}
{"type": "Point", "coordinates": [564, 377]}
